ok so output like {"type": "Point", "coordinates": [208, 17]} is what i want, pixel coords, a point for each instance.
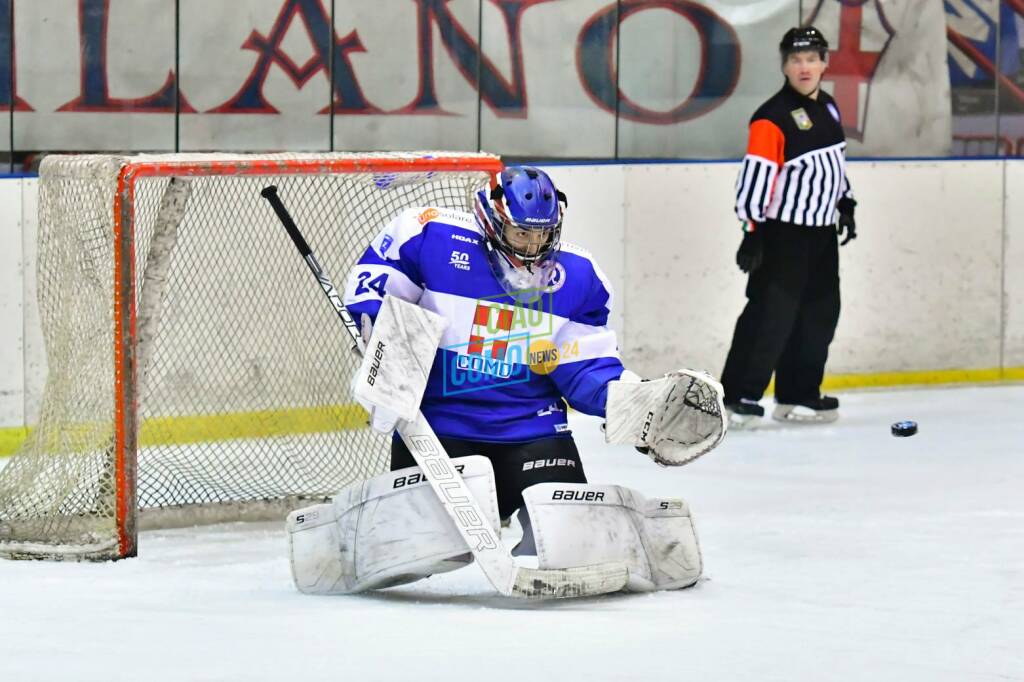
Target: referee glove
{"type": "Point", "coordinates": [846, 223]}
{"type": "Point", "coordinates": [751, 252]}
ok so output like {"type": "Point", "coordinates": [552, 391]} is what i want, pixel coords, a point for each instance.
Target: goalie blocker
{"type": "Point", "coordinates": [392, 529]}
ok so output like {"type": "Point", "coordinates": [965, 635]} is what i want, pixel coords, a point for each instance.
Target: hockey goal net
{"type": "Point", "coordinates": [195, 372]}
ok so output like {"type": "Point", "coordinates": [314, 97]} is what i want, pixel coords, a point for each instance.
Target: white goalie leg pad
{"type": "Point", "coordinates": [398, 358]}
{"type": "Point", "coordinates": [384, 531]}
{"type": "Point", "coordinates": [577, 524]}
{"type": "Point", "coordinates": [675, 419]}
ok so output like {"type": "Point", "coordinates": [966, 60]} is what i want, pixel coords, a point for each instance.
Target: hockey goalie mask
{"type": "Point", "coordinates": [522, 219]}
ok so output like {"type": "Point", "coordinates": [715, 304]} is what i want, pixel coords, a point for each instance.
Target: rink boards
{"type": "Point", "coordinates": [932, 287]}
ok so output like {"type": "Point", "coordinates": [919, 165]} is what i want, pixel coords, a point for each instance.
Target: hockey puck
{"type": "Point", "coordinates": [903, 429]}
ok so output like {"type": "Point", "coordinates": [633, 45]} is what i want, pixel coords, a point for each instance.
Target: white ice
{"type": "Point", "coordinates": [831, 553]}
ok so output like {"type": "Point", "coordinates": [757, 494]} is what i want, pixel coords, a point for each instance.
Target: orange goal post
{"type": "Point", "coordinates": [194, 373]}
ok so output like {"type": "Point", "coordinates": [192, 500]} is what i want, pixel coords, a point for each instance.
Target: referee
{"type": "Point", "coordinates": [795, 200]}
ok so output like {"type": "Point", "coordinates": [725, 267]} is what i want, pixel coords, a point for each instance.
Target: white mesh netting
{"type": "Point", "coordinates": [243, 365]}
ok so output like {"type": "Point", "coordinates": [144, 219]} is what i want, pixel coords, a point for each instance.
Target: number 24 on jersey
{"type": "Point", "coordinates": [377, 283]}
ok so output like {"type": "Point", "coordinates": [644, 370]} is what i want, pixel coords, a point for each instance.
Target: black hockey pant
{"type": "Point", "coordinates": [790, 317]}
{"type": "Point", "coordinates": [517, 466]}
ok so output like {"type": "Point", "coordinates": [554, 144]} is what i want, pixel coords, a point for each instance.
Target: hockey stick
{"type": "Point", "coordinates": [494, 558]}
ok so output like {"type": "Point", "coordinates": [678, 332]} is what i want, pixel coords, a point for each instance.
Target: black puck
{"type": "Point", "coordinates": [904, 429]}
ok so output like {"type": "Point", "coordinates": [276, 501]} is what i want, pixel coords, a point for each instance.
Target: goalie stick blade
{"type": "Point", "coordinates": [566, 583]}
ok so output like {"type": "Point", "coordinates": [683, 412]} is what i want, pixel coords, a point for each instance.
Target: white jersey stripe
{"type": "Point", "coordinates": [754, 186]}
{"type": "Point", "coordinates": [743, 190]}
{"type": "Point", "coordinates": [817, 190]}
{"type": "Point", "coordinates": [804, 191]}
{"type": "Point", "coordinates": [835, 159]}
{"type": "Point", "coordinates": [560, 330]}
{"type": "Point", "coordinates": [578, 342]}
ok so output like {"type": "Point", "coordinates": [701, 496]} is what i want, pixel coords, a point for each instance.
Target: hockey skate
{"type": "Point", "coordinates": [818, 411]}
{"type": "Point", "coordinates": [744, 414]}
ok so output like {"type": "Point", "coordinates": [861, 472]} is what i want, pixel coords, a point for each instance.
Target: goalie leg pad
{"type": "Point", "coordinates": [580, 524]}
{"type": "Point", "coordinates": [384, 531]}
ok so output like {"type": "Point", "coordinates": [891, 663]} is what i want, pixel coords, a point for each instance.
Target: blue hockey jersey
{"type": "Point", "coordinates": [502, 368]}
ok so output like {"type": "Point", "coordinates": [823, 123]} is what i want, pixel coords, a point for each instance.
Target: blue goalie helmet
{"type": "Point", "coordinates": [522, 219]}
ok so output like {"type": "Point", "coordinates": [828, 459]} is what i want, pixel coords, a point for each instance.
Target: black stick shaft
{"type": "Point", "coordinates": [270, 194]}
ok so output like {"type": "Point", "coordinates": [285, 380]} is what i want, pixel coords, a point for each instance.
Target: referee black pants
{"type": "Point", "coordinates": [790, 317]}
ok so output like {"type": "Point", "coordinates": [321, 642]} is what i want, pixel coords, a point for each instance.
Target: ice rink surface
{"type": "Point", "coordinates": [831, 553]}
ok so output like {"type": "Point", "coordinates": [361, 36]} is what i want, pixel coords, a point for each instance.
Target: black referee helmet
{"type": "Point", "coordinates": [801, 39]}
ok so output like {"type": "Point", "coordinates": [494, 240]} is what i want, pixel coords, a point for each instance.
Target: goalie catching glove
{"type": "Point", "coordinates": [673, 420]}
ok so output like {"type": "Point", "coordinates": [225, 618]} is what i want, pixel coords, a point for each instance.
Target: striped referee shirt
{"type": "Point", "coordinates": [794, 170]}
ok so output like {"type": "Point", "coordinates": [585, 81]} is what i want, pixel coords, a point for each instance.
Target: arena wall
{"type": "Point", "coordinates": [933, 287]}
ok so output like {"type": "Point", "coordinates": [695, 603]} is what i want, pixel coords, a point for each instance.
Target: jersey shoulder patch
{"type": "Point", "coordinates": [413, 221]}
{"type": "Point", "coordinates": [396, 233]}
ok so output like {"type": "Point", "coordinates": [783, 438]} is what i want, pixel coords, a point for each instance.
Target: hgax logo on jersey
{"type": "Point", "coordinates": [460, 260]}
{"type": "Point", "coordinates": [802, 120]}
{"type": "Point", "coordinates": [385, 243]}
{"type": "Point", "coordinates": [468, 240]}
